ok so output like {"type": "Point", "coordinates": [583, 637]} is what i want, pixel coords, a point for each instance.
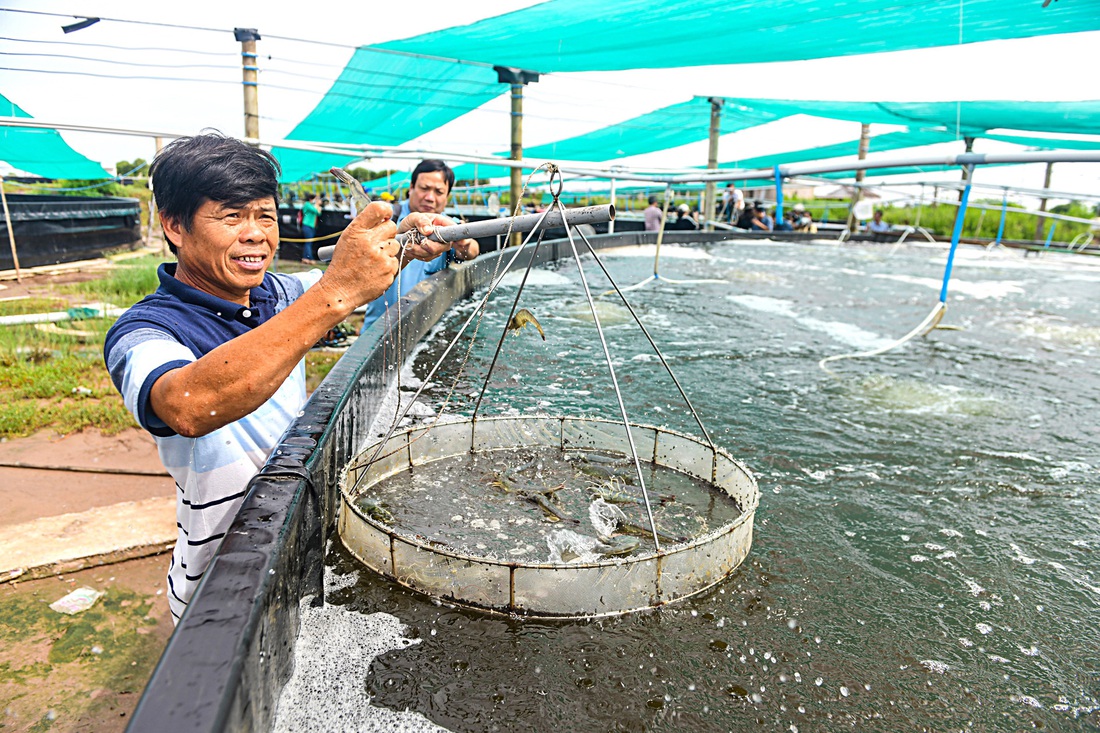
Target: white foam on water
{"type": "Point", "coordinates": [610, 314]}
{"type": "Point", "coordinates": [1056, 331]}
{"type": "Point", "coordinates": [762, 303]}
{"type": "Point", "coordinates": [668, 251]}
{"type": "Point", "coordinates": [934, 666]}
{"type": "Point", "coordinates": [919, 397]}
{"type": "Point", "coordinates": [536, 278]}
{"type": "Point", "coordinates": [977, 290]}
{"type": "Point", "coordinates": [325, 692]}
{"type": "Point", "coordinates": [1020, 556]}
{"type": "Point", "coordinates": [844, 332]}
{"type": "Point", "coordinates": [1026, 700]}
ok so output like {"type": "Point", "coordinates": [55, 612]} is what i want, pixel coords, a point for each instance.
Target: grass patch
{"type": "Point", "coordinates": [318, 365]}
{"type": "Point", "coordinates": [126, 283]}
{"type": "Point", "coordinates": [26, 306]}
{"type": "Point", "coordinates": [58, 381]}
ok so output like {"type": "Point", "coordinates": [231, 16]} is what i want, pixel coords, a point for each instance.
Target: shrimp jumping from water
{"type": "Point", "coordinates": [522, 318]}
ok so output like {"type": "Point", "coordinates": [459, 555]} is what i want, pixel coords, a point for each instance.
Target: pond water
{"type": "Point", "coordinates": [925, 550]}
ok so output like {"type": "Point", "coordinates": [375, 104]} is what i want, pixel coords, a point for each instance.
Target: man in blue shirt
{"type": "Point", "coordinates": [212, 363]}
{"type": "Point", "coordinates": [429, 188]}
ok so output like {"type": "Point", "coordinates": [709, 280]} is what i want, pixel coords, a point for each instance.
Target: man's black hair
{"type": "Point", "coordinates": [191, 170]}
{"type": "Point", "coordinates": [652, 199]}
{"type": "Point", "coordinates": [427, 166]}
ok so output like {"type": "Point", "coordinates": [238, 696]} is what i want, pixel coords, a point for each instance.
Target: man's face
{"type": "Point", "coordinates": [228, 249]}
{"type": "Point", "coordinates": [429, 194]}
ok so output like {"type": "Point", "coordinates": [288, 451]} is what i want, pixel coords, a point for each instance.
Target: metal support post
{"type": "Point", "coordinates": [712, 160]}
{"type": "Point", "coordinates": [517, 78]}
{"type": "Point", "coordinates": [864, 143]}
{"type": "Point", "coordinates": [250, 80]}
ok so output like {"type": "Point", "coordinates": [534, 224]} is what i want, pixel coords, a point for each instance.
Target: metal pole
{"type": "Point", "coordinates": [778, 196]}
{"type": "Point", "coordinates": [164, 251]}
{"type": "Point", "coordinates": [1043, 202]}
{"type": "Point", "coordinates": [611, 224]}
{"type": "Point", "coordinates": [11, 233]}
{"type": "Point", "coordinates": [966, 169]}
{"type": "Point", "coordinates": [515, 188]}
{"type": "Point", "coordinates": [956, 234]}
{"type": "Point", "coordinates": [712, 160]}
{"type": "Point", "coordinates": [864, 143]}
{"type": "Point", "coordinates": [490, 227]}
{"type": "Point", "coordinates": [250, 80]}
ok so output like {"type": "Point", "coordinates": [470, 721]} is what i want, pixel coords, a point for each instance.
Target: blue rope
{"type": "Point", "coordinates": [956, 234]}
{"type": "Point", "coordinates": [1050, 235]}
{"type": "Point", "coordinates": [1001, 226]}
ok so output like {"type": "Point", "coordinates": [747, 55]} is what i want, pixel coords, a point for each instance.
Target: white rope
{"type": "Point", "coordinates": [930, 322]}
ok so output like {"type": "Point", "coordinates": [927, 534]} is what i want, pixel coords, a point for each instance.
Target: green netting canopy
{"type": "Point", "coordinates": [668, 127]}
{"type": "Point", "coordinates": [582, 35]}
{"type": "Point", "coordinates": [42, 152]}
{"type": "Point", "coordinates": [876, 144]}
{"type": "Point", "coordinates": [386, 99]}
{"type": "Point", "coordinates": [966, 118]}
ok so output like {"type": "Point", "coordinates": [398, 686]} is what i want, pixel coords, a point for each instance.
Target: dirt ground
{"type": "Point", "coordinates": [80, 511]}
{"type": "Point", "coordinates": [83, 672]}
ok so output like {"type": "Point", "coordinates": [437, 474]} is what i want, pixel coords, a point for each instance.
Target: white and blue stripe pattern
{"type": "Point", "coordinates": [169, 329]}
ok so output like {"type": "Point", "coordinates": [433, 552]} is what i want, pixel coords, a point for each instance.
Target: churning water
{"type": "Point", "coordinates": [925, 555]}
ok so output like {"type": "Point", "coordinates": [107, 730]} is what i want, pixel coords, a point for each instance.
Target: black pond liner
{"type": "Point", "coordinates": [51, 229]}
{"type": "Point", "coordinates": [225, 666]}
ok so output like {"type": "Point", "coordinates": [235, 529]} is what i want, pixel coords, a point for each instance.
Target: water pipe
{"type": "Point", "coordinates": [956, 234]}
{"type": "Point", "coordinates": [1004, 210]}
{"type": "Point", "coordinates": [515, 224]}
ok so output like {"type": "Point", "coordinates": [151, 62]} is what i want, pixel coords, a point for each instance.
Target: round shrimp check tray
{"type": "Point", "coordinates": [544, 516]}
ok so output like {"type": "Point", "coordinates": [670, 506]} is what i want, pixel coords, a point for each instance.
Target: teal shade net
{"type": "Point", "coordinates": [1046, 143]}
{"type": "Point", "coordinates": [668, 127]}
{"type": "Point", "coordinates": [965, 118]}
{"type": "Point", "coordinates": [689, 121]}
{"type": "Point", "coordinates": [385, 99]}
{"type": "Point", "coordinates": [42, 152]}
{"type": "Point", "coordinates": [583, 35]}
{"type": "Point", "coordinates": [876, 144]}
{"type": "Point", "coordinates": [384, 183]}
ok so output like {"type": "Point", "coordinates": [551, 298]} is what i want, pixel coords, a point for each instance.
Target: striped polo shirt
{"type": "Point", "coordinates": [172, 328]}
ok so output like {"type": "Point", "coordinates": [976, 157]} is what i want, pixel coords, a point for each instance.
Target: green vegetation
{"type": "Point", "coordinates": [109, 647]}
{"type": "Point", "coordinates": [981, 223]}
{"type": "Point", "coordinates": [52, 375]}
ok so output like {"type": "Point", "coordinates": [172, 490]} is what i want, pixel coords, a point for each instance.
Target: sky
{"type": "Point", "coordinates": [176, 68]}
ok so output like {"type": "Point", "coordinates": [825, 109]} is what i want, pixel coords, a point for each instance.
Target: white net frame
{"type": "Point", "coordinates": [604, 587]}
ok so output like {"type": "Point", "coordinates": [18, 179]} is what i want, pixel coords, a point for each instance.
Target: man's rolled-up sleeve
{"type": "Point", "coordinates": [136, 361]}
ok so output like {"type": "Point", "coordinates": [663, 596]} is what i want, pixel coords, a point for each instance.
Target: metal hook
{"type": "Point", "coordinates": [554, 171]}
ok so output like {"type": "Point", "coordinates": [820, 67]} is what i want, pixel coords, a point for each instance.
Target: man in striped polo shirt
{"type": "Point", "coordinates": [212, 364]}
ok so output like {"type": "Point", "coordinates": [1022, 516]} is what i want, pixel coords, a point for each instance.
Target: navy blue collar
{"type": "Point", "coordinates": [261, 302]}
